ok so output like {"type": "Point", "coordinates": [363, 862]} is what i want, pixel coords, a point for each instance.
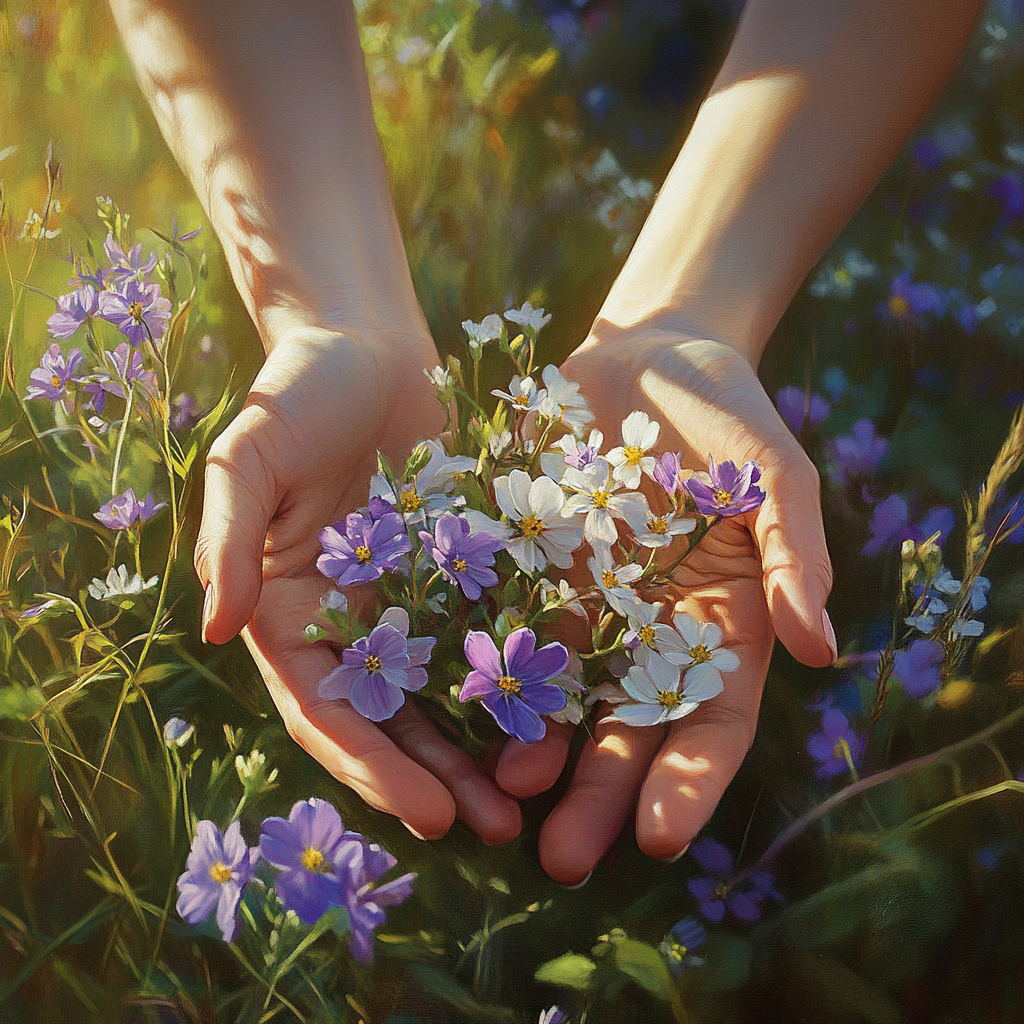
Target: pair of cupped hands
{"type": "Point", "coordinates": [300, 455]}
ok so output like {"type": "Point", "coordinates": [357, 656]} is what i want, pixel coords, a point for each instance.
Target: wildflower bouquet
{"type": "Point", "coordinates": [460, 545]}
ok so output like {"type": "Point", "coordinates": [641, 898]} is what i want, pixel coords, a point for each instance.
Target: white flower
{"type": "Point", "coordinates": [443, 380]}
{"type": "Point", "coordinates": [653, 531]}
{"type": "Point", "coordinates": [596, 497]}
{"type": "Point", "coordinates": [643, 628]}
{"type": "Point", "coordinates": [429, 493]}
{"type": "Point", "coordinates": [488, 330]}
{"type": "Point", "coordinates": [523, 394]}
{"type": "Point", "coordinates": [571, 452]}
{"type": "Point", "coordinates": [613, 581]}
{"type": "Point", "coordinates": [499, 443]}
{"type": "Point", "coordinates": [562, 596]}
{"type": "Point", "coordinates": [535, 509]}
{"type": "Point", "coordinates": [564, 401]}
{"type": "Point", "coordinates": [528, 317]}
{"type": "Point", "coordinates": [33, 227]}
{"type": "Point", "coordinates": [120, 587]}
{"type": "Point", "coordinates": [639, 435]}
{"type": "Point", "coordinates": [480, 522]}
{"type": "Point", "coordinates": [695, 647]}
{"type": "Point", "coordinates": [656, 688]}
{"type": "Point", "coordinates": [570, 681]}
{"type": "Point", "coordinates": [841, 281]}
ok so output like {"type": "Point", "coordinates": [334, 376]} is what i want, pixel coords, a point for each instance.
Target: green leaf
{"type": "Point", "coordinates": [646, 966]}
{"type": "Point", "coordinates": [448, 990]}
{"type": "Point", "coordinates": [20, 702]}
{"type": "Point", "coordinates": [726, 964]}
{"type": "Point", "coordinates": [203, 431]}
{"type": "Point", "coordinates": [570, 969]}
{"type": "Point", "coordinates": [334, 919]}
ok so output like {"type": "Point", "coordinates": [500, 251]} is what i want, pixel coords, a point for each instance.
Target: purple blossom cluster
{"type": "Point", "coordinates": [320, 865]}
{"type": "Point", "coordinates": [721, 889]}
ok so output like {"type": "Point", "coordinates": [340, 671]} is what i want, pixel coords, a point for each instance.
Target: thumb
{"type": "Point", "coordinates": [797, 569]}
{"type": "Point", "coordinates": [238, 504]}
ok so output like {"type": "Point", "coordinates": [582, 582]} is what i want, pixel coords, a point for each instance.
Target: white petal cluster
{"type": "Point", "coordinates": [594, 494]}
{"type": "Point", "coordinates": [120, 587]}
{"type": "Point", "coordinates": [528, 317]}
{"type": "Point", "coordinates": [630, 459]}
{"type": "Point", "coordinates": [564, 401]}
{"type": "Point", "coordinates": [429, 494]}
{"type": "Point", "coordinates": [523, 394]}
{"type": "Point", "coordinates": [534, 508]}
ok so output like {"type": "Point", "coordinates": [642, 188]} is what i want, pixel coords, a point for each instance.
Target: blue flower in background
{"type": "Point", "coordinates": [830, 746]}
{"type": "Point", "coordinates": [797, 407]}
{"type": "Point", "coordinates": [857, 453]}
{"type": "Point", "coordinates": [919, 667]}
{"type": "Point", "coordinates": [890, 525]}
{"type": "Point", "coordinates": [678, 945]}
{"type": "Point", "coordinates": [716, 892]}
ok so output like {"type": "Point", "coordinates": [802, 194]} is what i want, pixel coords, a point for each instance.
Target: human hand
{"type": "Point", "coordinates": [296, 458]}
{"type": "Point", "coordinates": [757, 576]}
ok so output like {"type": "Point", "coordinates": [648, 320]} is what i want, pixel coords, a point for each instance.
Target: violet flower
{"type": "Point", "coordinates": [304, 848]}
{"type": "Point", "coordinates": [797, 408]}
{"type": "Point", "coordinates": [464, 558]}
{"type": "Point", "coordinates": [518, 694]}
{"type": "Point", "coordinates": [1009, 190]}
{"type": "Point", "coordinates": [716, 892]}
{"type": "Point", "coordinates": [857, 453]}
{"type": "Point", "coordinates": [919, 667]}
{"type": "Point", "coordinates": [361, 549]}
{"type": "Point", "coordinates": [666, 474]}
{"type": "Point", "coordinates": [890, 525]}
{"type": "Point", "coordinates": [185, 413]}
{"type": "Point", "coordinates": [54, 373]}
{"type": "Point", "coordinates": [124, 511]}
{"type": "Point", "coordinates": [826, 747]}
{"type": "Point", "coordinates": [728, 491]}
{"type": "Point", "coordinates": [683, 937]}
{"type": "Point", "coordinates": [377, 669]}
{"type": "Point", "coordinates": [126, 265]}
{"type": "Point", "coordinates": [129, 367]}
{"type": "Point", "coordinates": [73, 310]}
{"type": "Point", "coordinates": [139, 312]}
{"type": "Point", "coordinates": [359, 864]}
{"type": "Point", "coordinates": [909, 301]}
{"type": "Point", "coordinates": [219, 868]}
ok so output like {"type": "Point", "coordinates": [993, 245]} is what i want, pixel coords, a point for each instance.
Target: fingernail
{"type": "Point", "coordinates": [830, 635]}
{"type": "Point", "coordinates": [413, 831]}
{"type": "Point", "coordinates": [207, 609]}
{"type": "Point", "coordinates": [579, 885]}
{"type": "Point", "coordinates": [679, 855]}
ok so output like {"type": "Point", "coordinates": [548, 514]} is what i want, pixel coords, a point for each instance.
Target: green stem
{"type": "Point", "coordinates": [130, 392]}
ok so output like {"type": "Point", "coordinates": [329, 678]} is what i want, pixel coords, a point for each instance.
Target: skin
{"type": "Point", "coordinates": [284, 157]}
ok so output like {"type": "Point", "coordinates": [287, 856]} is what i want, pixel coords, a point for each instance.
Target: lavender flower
{"type": "Point", "coordinates": [890, 525]}
{"type": "Point", "coordinates": [361, 549]}
{"type": "Point", "coordinates": [717, 892]}
{"type": "Point", "coordinates": [126, 265]}
{"type": "Point", "coordinates": [827, 746]}
{"type": "Point", "coordinates": [463, 557]}
{"type": "Point", "coordinates": [304, 848]}
{"type": "Point", "coordinates": [571, 452]}
{"type": "Point", "coordinates": [177, 732]}
{"type": "Point", "coordinates": [129, 367]}
{"type": "Point", "coordinates": [359, 865]}
{"type": "Point", "coordinates": [185, 413]}
{"type": "Point", "coordinates": [53, 375]}
{"type": "Point", "coordinates": [856, 453]}
{"type": "Point", "coordinates": [518, 694]}
{"type": "Point", "coordinates": [684, 937]}
{"type": "Point", "coordinates": [667, 473]}
{"type": "Point", "coordinates": [909, 301]}
{"type": "Point", "coordinates": [139, 312]}
{"type": "Point", "coordinates": [219, 868]}
{"type": "Point", "coordinates": [728, 491]}
{"type": "Point", "coordinates": [377, 669]}
{"type": "Point", "coordinates": [73, 310]}
{"type": "Point", "coordinates": [124, 511]}
{"type": "Point", "coordinates": [919, 667]}
{"type": "Point", "coordinates": [796, 407]}
{"type": "Point", "coordinates": [552, 1015]}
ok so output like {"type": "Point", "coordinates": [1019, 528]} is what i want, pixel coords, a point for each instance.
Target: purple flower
{"type": "Point", "coordinates": [890, 525]}
{"type": "Point", "coordinates": [139, 312]}
{"type": "Point", "coordinates": [796, 407]}
{"type": "Point", "coordinates": [729, 492]}
{"type": "Point", "coordinates": [184, 412]}
{"type": "Point", "coordinates": [520, 693]}
{"type": "Point", "coordinates": [1009, 190]}
{"type": "Point", "coordinates": [219, 868]}
{"type": "Point", "coordinates": [53, 375]}
{"type": "Point", "coordinates": [717, 892]}
{"type": "Point", "coordinates": [378, 508]}
{"type": "Point", "coordinates": [129, 367]}
{"type": "Point", "coordinates": [919, 667]}
{"type": "Point", "coordinates": [124, 511]}
{"type": "Point", "coordinates": [927, 153]}
{"type": "Point", "coordinates": [304, 848]}
{"type": "Point", "coordinates": [364, 550]}
{"type": "Point", "coordinates": [826, 747]}
{"type": "Point", "coordinates": [909, 301]}
{"type": "Point", "coordinates": [666, 473]}
{"type": "Point", "coordinates": [126, 265]}
{"type": "Point", "coordinates": [73, 310]}
{"type": "Point", "coordinates": [684, 937]}
{"type": "Point", "coordinates": [377, 668]}
{"type": "Point", "coordinates": [359, 864]}
{"type": "Point", "coordinates": [857, 453]}
{"type": "Point", "coordinates": [464, 558]}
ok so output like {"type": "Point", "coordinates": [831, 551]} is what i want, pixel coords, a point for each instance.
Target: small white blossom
{"type": "Point", "coordinates": [534, 507]}
{"type": "Point", "coordinates": [33, 227]}
{"type": "Point", "coordinates": [840, 281]}
{"type": "Point", "coordinates": [695, 648]}
{"type": "Point", "coordinates": [429, 494]}
{"type": "Point", "coordinates": [499, 443]}
{"type": "Point", "coordinates": [562, 596]}
{"type": "Point", "coordinates": [568, 451]}
{"type": "Point", "coordinates": [653, 531]}
{"type": "Point", "coordinates": [528, 317]}
{"type": "Point", "coordinates": [656, 688]}
{"type": "Point", "coordinates": [177, 732]}
{"type": "Point", "coordinates": [639, 436]}
{"type": "Point", "coordinates": [564, 401]}
{"type": "Point", "coordinates": [443, 380]}
{"type": "Point", "coordinates": [523, 394]}
{"type": "Point", "coordinates": [595, 496]}
{"type": "Point", "coordinates": [120, 587]}
{"type": "Point", "coordinates": [613, 580]}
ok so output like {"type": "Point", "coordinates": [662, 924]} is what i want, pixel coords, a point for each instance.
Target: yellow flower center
{"type": "Point", "coordinates": [722, 496]}
{"type": "Point", "coordinates": [658, 525]}
{"type": "Point", "coordinates": [135, 311]}
{"type": "Point", "coordinates": [313, 860]}
{"type": "Point", "coordinates": [898, 306]}
{"type": "Point", "coordinates": [678, 951]}
{"type": "Point", "coordinates": [410, 500]}
{"type": "Point", "coordinates": [363, 554]}
{"type": "Point", "coordinates": [372, 664]}
{"type": "Point", "coordinates": [842, 276]}
{"type": "Point", "coordinates": [55, 381]}
{"type": "Point", "coordinates": [459, 565]}
{"type": "Point", "coordinates": [510, 684]}
{"type": "Point", "coordinates": [633, 455]}
{"type": "Point", "coordinates": [600, 499]}
{"type": "Point", "coordinates": [646, 634]}
{"type": "Point", "coordinates": [531, 527]}
{"type": "Point", "coordinates": [220, 873]}
{"type": "Point", "coordinates": [668, 698]}
{"type": "Point", "coordinates": [700, 654]}
{"type": "Point", "coordinates": [609, 579]}
{"type": "Point", "coordinates": [521, 401]}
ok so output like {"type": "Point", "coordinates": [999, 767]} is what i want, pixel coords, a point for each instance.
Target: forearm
{"type": "Point", "coordinates": [811, 105]}
{"type": "Point", "coordinates": [266, 106]}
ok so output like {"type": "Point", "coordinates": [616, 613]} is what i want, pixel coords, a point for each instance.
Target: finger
{"type": "Point", "coordinates": [349, 746]}
{"type": "Point", "coordinates": [704, 751]}
{"type": "Point", "coordinates": [238, 504]}
{"type": "Point", "coordinates": [526, 769]}
{"type": "Point", "coordinates": [604, 787]}
{"type": "Point", "coordinates": [479, 803]}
